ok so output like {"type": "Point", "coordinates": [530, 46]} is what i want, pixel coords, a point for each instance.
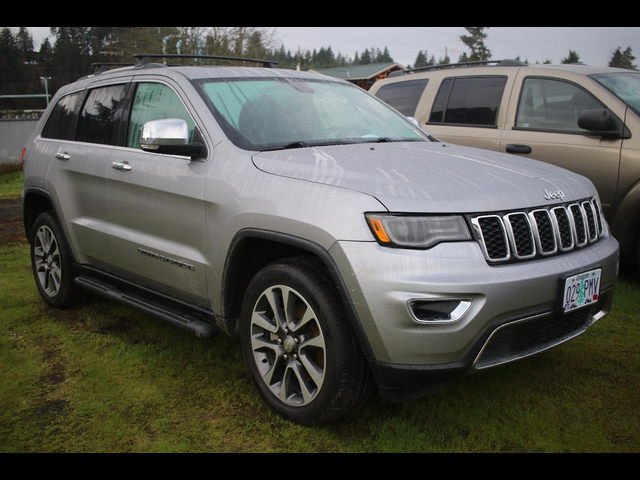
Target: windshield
{"type": "Point", "coordinates": [273, 114]}
{"type": "Point", "coordinates": [626, 86]}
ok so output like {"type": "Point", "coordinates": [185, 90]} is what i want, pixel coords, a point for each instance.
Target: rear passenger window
{"type": "Point", "coordinates": [553, 105]}
{"type": "Point", "coordinates": [403, 96]}
{"type": "Point", "coordinates": [471, 101]}
{"type": "Point", "coordinates": [62, 121]}
{"type": "Point", "coordinates": [100, 118]}
{"type": "Point", "coordinates": [155, 101]}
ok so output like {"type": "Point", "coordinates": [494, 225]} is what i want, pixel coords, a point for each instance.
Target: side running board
{"type": "Point", "coordinates": [162, 311]}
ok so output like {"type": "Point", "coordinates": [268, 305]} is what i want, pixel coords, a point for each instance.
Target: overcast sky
{"type": "Point", "coordinates": [594, 44]}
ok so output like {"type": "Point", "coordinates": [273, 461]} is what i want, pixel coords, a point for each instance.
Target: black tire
{"type": "Point", "coordinates": [52, 263]}
{"type": "Point", "coordinates": [336, 378]}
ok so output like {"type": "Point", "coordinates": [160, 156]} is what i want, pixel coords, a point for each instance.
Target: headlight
{"type": "Point", "coordinates": [417, 232]}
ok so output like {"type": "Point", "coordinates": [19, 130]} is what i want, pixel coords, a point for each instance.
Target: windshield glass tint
{"type": "Point", "coordinates": [266, 114]}
{"type": "Point", "coordinates": [626, 86]}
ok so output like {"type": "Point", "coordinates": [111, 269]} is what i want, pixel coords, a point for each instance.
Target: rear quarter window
{"type": "Point", "coordinates": [62, 121]}
{"type": "Point", "coordinates": [472, 101]}
{"type": "Point", "coordinates": [403, 96]}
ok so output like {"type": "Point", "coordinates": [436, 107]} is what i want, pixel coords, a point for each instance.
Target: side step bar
{"type": "Point", "coordinates": [172, 316]}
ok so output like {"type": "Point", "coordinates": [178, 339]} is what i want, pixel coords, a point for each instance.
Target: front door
{"type": "Point", "coordinates": [156, 202]}
{"type": "Point", "coordinates": [545, 127]}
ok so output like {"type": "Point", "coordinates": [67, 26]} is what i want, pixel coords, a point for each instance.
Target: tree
{"type": "Point", "coordinates": [475, 41]}
{"type": "Point", "coordinates": [366, 58]}
{"type": "Point", "coordinates": [423, 60]}
{"type": "Point", "coordinates": [571, 59]}
{"type": "Point", "coordinates": [624, 59]}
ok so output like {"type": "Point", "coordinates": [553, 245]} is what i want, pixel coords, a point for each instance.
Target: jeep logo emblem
{"type": "Point", "coordinates": [559, 195]}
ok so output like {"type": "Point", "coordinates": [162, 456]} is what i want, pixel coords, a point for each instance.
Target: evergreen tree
{"type": "Point", "coordinates": [423, 59]}
{"type": "Point", "coordinates": [624, 59]}
{"type": "Point", "coordinates": [366, 58]}
{"type": "Point", "coordinates": [571, 59]}
{"type": "Point", "coordinates": [475, 41]}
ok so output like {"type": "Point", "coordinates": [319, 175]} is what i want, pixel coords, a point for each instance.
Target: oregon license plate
{"type": "Point", "coordinates": [582, 290]}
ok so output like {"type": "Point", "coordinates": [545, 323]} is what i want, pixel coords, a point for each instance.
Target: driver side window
{"type": "Point", "coordinates": [553, 105]}
{"type": "Point", "coordinates": [155, 101]}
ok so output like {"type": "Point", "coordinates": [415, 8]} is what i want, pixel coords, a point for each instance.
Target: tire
{"type": "Point", "coordinates": [52, 263]}
{"type": "Point", "coordinates": [303, 358]}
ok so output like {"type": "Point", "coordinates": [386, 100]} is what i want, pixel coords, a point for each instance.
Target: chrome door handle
{"type": "Point", "coordinates": [63, 156]}
{"type": "Point", "coordinates": [122, 167]}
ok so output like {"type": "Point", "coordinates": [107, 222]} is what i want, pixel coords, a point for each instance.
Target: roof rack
{"type": "Point", "coordinates": [142, 60]}
{"type": "Point", "coordinates": [103, 67]}
{"type": "Point", "coordinates": [498, 63]}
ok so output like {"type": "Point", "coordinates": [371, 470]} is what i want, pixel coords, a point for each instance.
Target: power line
{"type": "Point", "coordinates": [493, 39]}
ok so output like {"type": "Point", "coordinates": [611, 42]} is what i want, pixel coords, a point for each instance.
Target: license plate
{"type": "Point", "coordinates": [582, 290]}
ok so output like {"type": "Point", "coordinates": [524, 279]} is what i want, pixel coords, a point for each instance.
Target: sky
{"type": "Point", "coordinates": [594, 44]}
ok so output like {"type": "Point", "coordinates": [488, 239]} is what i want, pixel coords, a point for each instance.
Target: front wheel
{"type": "Point", "coordinates": [298, 345]}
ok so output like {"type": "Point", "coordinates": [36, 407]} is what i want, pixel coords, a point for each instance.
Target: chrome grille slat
{"type": "Point", "coordinates": [543, 232]}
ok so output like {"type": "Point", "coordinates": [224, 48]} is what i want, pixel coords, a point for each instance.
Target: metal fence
{"type": "Point", "coordinates": [14, 135]}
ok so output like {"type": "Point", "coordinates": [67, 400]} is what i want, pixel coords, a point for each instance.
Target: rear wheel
{"type": "Point", "coordinates": [52, 263]}
{"type": "Point", "coordinates": [298, 346]}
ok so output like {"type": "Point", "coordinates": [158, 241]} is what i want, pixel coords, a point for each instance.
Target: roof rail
{"type": "Point", "coordinates": [103, 67]}
{"type": "Point", "coordinates": [142, 60]}
{"type": "Point", "coordinates": [498, 63]}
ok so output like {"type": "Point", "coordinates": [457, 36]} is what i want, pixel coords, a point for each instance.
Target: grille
{"type": "Point", "coordinates": [527, 337]}
{"type": "Point", "coordinates": [526, 235]}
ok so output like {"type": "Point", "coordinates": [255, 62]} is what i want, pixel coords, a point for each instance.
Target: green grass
{"type": "Point", "coordinates": [11, 180]}
{"type": "Point", "coordinates": [102, 378]}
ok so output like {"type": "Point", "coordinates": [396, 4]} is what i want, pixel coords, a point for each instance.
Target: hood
{"type": "Point", "coordinates": [431, 177]}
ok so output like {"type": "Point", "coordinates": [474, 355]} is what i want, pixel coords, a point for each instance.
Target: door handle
{"type": "Point", "coordinates": [63, 156]}
{"type": "Point", "coordinates": [122, 167]}
{"type": "Point", "coordinates": [519, 149]}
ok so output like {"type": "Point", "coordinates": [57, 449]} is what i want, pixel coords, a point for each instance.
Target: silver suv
{"type": "Point", "coordinates": [341, 244]}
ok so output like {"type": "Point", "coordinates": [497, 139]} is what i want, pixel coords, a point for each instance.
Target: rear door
{"type": "Point", "coordinates": [467, 110]}
{"type": "Point", "coordinates": [543, 125]}
{"type": "Point", "coordinates": [158, 234]}
{"type": "Point", "coordinates": [80, 137]}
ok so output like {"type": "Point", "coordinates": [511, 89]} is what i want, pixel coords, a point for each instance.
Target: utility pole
{"type": "Point", "coordinates": [46, 87]}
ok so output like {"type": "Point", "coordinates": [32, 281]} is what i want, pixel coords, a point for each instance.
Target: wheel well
{"type": "Point", "coordinates": [248, 257]}
{"type": "Point", "coordinates": [35, 204]}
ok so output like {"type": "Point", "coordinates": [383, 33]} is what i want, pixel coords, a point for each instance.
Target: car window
{"type": "Point", "coordinates": [553, 105]}
{"type": "Point", "coordinates": [155, 101]}
{"type": "Point", "coordinates": [277, 113]}
{"type": "Point", "coordinates": [626, 86]}
{"type": "Point", "coordinates": [100, 117]}
{"type": "Point", "coordinates": [62, 121]}
{"type": "Point", "coordinates": [469, 101]}
{"type": "Point", "coordinates": [403, 96]}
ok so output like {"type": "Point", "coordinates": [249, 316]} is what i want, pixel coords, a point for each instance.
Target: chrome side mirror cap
{"type": "Point", "coordinates": [169, 137]}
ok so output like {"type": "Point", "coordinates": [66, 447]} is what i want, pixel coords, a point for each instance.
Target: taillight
{"type": "Point", "coordinates": [24, 152]}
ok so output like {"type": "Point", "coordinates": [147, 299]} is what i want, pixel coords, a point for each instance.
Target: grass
{"type": "Point", "coordinates": [11, 180]}
{"type": "Point", "coordinates": [102, 378]}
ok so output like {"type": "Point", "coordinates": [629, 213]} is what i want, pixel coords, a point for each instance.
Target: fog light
{"type": "Point", "coordinates": [439, 311]}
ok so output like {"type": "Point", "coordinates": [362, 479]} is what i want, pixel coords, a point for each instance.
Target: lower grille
{"type": "Point", "coordinates": [527, 337]}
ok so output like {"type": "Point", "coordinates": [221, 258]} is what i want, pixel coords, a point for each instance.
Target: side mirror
{"type": "Point", "coordinates": [169, 137]}
{"type": "Point", "coordinates": [603, 123]}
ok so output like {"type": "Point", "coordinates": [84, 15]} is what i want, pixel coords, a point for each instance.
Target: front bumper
{"type": "Point", "coordinates": [414, 359]}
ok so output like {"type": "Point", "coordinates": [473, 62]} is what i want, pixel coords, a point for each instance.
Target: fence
{"type": "Point", "coordinates": [14, 135]}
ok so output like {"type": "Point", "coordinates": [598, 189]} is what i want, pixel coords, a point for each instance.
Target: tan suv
{"type": "Point", "coordinates": [585, 119]}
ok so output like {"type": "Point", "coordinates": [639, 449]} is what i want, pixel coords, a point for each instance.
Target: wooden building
{"type": "Point", "coordinates": [362, 75]}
